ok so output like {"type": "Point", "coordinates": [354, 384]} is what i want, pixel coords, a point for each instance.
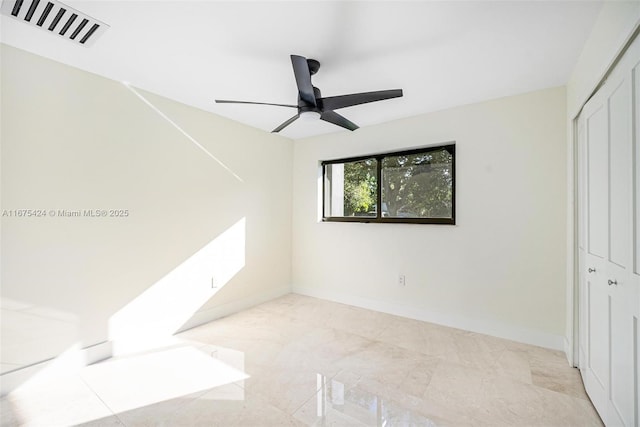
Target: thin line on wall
{"type": "Point", "coordinates": [182, 131]}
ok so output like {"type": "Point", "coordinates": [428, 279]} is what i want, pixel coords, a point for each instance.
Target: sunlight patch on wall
{"type": "Point", "coordinates": [163, 308]}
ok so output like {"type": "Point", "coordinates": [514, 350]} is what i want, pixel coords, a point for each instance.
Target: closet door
{"type": "Point", "coordinates": [620, 263]}
{"type": "Point", "coordinates": [608, 252]}
{"type": "Point", "coordinates": [594, 292]}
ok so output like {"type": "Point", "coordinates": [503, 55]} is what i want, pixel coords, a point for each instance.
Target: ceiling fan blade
{"type": "Point", "coordinates": [285, 124]}
{"type": "Point", "coordinates": [342, 101]}
{"type": "Point", "coordinates": [303, 79]}
{"type": "Point", "coordinates": [337, 119]}
{"type": "Point", "coordinates": [224, 101]}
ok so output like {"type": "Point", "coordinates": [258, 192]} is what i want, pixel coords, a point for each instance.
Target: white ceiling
{"type": "Point", "coordinates": [442, 54]}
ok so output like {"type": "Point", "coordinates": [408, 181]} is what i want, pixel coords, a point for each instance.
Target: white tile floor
{"type": "Point", "coordinates": [304, 361]}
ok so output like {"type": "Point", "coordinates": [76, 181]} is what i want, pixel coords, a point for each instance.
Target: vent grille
{"type": "Point", "coordinates": [56, 18]}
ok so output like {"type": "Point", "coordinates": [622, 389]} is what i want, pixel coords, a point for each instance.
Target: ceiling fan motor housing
{"type": "Point", "coordinates": [305, 106]}
{"type": "Point", "coordinates": [314, 66]}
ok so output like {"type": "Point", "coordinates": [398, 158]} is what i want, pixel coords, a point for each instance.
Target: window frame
{"type": "Point", "coordinates": [450, 147]}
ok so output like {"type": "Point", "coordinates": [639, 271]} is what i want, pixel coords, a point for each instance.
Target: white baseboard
{"type": "Point", "coordinates": [483, 326]}
{"type": "Point", "coordinates": [9, 381]}
{"type": "Point", "coordinates": [204, 316]}
{"type": "Point", "coordinates": [156, 334]}
{"type": "Point", "coordinates": [98, 352]}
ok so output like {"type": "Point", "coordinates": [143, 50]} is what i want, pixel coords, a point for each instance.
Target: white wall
{"type": "Point", "coordinates": [74, 140]}
{"type": "Point", "coordinates": [497, 271]}
{"type": "Point", "coordinates": [613, 28]}
{"type": "Point", "coordinates": [500, 270]}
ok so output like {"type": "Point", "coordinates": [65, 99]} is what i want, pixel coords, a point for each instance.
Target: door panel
{"type": "Point", "coordinates": [618, 271]}
{"type": "Point", "coordinates": [636, 192]}
{"type": "Point", "coordinates": [620, 162]}
{"type": "Point", "coordinates": [597, 204]}
{"type": "Point", "coordinates": [598, 318]}
{"type": "Point", "coordinates": [622, 364]}
{"type": "Point", "coordinates": [597, 199]}
{"type": "Point", "coordinates": [582, 187]}
{"type": "Point", "coordinates": [594, 203]}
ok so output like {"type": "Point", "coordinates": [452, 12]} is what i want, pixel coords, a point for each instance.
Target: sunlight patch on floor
{"type": "Point", "coordinates": [64, 394]}
{"type": "Point", "coordinates": [138, 381]}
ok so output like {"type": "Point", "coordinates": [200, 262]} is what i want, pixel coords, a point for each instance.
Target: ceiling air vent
{"type": "Point", "coordinates": [56, 18]}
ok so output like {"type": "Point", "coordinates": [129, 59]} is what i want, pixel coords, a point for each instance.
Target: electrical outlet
{"type": "Point", "coordinates": [401, 280]}
{"type": "Point", "coordinates": [213, 283]}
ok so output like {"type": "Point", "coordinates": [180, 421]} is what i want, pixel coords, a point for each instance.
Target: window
{"type": "Point", "coordinates": [416, 186]}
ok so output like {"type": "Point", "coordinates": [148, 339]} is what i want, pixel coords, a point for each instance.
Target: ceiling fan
{"type": "Point", "coordinates": [312, 105]}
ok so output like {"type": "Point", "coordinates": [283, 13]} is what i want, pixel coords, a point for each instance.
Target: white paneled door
{"type": "Point", "coordinates": [609, 243]}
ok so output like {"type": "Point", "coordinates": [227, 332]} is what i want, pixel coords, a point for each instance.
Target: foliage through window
{"type": "Point", "coordinates": [415, 186]}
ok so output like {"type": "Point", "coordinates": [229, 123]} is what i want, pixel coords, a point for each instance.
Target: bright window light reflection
{"type": "Point", "coordinates": [338, 403]}
{"type": "Point", "coordinates": [151, 318]}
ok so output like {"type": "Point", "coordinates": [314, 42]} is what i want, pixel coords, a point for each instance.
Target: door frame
{"type": "Point", "coordinates": [574, 354]}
